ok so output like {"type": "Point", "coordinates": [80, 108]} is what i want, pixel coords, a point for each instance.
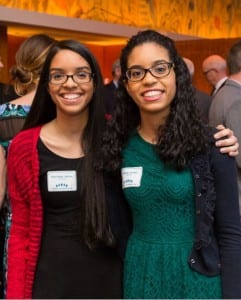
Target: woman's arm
{"type": "Point", "coordinates": [226, 141]}
{"type": "Point", "coordinates": [227, 222]}
{"type": "Point", "coordinates": [2, 175]}
{"type": "Point", "coordinates": [17, 253]}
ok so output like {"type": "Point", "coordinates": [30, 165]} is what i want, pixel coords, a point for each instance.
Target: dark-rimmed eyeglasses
{"type": "Point", "coordinates": [160, 70]}
{"type": "Point", "coordinates": [79, 77]}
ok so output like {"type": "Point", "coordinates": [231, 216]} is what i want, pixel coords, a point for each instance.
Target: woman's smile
{"type": "Point", "coordinates": [71, 97]}
{"type": "Point", "coordinates": [152, 95]}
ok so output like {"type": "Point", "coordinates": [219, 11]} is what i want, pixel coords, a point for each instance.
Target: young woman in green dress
{"type": "Point", "coordinates": [182, 192]}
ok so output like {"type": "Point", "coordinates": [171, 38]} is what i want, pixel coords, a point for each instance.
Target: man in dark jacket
{"type": "Point", "coordinates": [110, 88]}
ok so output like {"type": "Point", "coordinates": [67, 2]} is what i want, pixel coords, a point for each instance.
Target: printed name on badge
{"type": "Point", "coordinates": [62, 181]}
{"type": "Point", "coordinates": [131, 177]}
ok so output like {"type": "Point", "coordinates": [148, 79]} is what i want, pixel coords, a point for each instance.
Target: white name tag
{"type": "Point", "coordinates": [131, 177]}
{"type": "Point", "coordinates": [61, 181]}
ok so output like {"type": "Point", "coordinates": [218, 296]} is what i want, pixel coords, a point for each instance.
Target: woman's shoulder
{"type": "Point", "coordinates": [25, 100]}
{"type": "Point", "coordinates": [25, 139]}
{"type": "Point", "coordinates": [210, 131]}
{"type": "Point", "coordinates": [31, 132]}
{"type": "Point", "coordinates": [212, 155]}
{"type": "Point", "coordinates": [22, 149]}
{"type": "Point", "coordinates": [218, 159]}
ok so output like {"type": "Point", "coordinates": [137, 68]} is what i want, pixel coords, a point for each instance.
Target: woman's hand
{"type": "Point", "coordinates": [226, 141]}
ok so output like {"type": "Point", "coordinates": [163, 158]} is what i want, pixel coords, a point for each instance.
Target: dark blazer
{"type": "Point", "coordinates": [217, 244]}
{"type": "Point", "coordinates": [118, 211]}
{"type": "Point", "coordinates": [110, 97]}
{"type": "Point", "coordinates": [203, 104]}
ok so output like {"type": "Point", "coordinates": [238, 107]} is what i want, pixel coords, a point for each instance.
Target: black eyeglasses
{"type": "Point", "coordinates": [160, 70]}
{"type": "Point", "coordinates": [80, 77]}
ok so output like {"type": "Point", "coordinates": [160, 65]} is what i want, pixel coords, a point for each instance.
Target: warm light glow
{"type": "Point", "coordinates": [201, 18]}
{"type": "Point", "coordinates": [94, 39]}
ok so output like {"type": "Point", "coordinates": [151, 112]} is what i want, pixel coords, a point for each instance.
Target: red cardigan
{"type": "Point", "coordinates": [27, 213]}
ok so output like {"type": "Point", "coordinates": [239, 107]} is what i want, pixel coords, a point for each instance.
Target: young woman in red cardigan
{"type": "Point", "coordinates": [66, 238]}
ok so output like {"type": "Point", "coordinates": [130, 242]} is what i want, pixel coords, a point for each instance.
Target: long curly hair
{"type": "Point", "coordinates": [183, 134]}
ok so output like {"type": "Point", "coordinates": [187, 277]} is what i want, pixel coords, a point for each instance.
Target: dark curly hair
{"type": "Point", "coordinates": [181, 137]}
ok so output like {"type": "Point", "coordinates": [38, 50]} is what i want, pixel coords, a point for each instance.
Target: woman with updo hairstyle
{"type": "Point", "coordinates": [30, 58]}
{"type": "Point", "coordinates": [26, 72]}
{"type": "Point", "coordinates": [29, 61]}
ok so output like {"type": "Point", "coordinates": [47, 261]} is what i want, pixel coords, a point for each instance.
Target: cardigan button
{"type": "Point", "coordinates": [199, 195]}
{"type": "Point", "coordinates": [197, 176]}
{"type": "Point", "coordinates": [192, 260]}
{"type": "Point", "coordinates": [198, 211]}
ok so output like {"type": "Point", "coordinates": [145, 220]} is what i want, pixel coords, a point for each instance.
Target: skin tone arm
{"type": "Point", "coordinates": [2, 175]}
{"type": "Point", "coordinates": [228, 145]}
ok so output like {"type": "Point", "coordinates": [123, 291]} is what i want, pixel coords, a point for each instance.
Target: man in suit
{"type": "Point", "coordinates": [203, 99]}
{"type": "Point", "coordinates": [110, 88]}
{"type": "Point", "coordinates": [226, 104]}
{"type": "Point", "coordinates": [215, 71]}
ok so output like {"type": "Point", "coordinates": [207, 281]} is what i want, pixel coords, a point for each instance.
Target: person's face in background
{"type": "Point", "coordinates": [211, 75]}
{"type": "Point", "coordinates": [151, 94]}
{"type": "Point", "coordinates": [117, 73]}
{"type": "Point", "coordinates": [71, 97]}
{"type": "Point", "coordinates": [1, 63]}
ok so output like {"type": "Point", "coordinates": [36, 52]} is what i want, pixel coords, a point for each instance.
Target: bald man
{"type": "Point", "coordinates": [215, 70]}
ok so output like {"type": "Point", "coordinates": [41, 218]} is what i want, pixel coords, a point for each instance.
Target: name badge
{"type": "Point", "coordinates": [62, 181]}
{"type": "Point", "coordinates": [131, 177]}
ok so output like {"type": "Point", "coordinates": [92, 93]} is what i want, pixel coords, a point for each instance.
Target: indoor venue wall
{"type": "Point", "coordinates": [196, 50]}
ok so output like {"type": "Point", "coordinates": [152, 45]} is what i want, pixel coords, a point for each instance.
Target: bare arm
{"type": "Point", "coordinates": [2, 175]}
{"type": "Point", "coordinates": [228, 145]}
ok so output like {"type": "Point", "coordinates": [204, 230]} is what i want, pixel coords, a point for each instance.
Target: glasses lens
{"type": "Point", "coordinates": [135, 74]}
{"type": "Point", "coordinates": [57, 78]}
{"type": "Point", "coordinates": [82, 77]}
{"type": "Point", "coordinates": [161, 69]}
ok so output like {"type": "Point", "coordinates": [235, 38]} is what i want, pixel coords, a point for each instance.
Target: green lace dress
{"type": "Point", "coordinates": [12, 118]}
{"type": "Point", "coordinates": [162, 202]}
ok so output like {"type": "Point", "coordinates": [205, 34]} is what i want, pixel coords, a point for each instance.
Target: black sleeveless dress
{"type": "Point", "coordinates": [66, 267]}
